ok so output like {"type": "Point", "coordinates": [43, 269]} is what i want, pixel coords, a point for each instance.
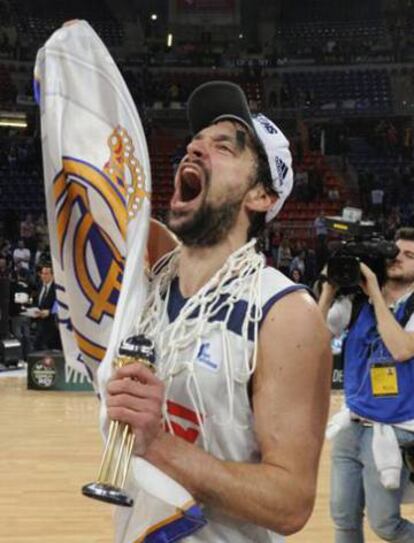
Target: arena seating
{"type": "Point", "coordinates": [297, 217]}
{"type": "Point", "coordinates": [22, 192]}
{"type": "Point", "coordinates": [158, 85]}
{"type": "Point", "coordinates": [7, 88]}
{"type": "Point", "coordinates": [365, 158]}
{"type": "Point", "coordinates": [162, 148]}
{"type": "Point", "coordinates": [350, 91]}
{"type": "Point", "coordinates": [336, 41]}
{"type": "Point", "coordinates": [35, 22]}
{"type": "Point", "coordinates": [321, 10]}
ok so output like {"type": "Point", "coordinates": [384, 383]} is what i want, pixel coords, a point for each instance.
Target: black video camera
{"type": "Point", "coordinates": [360, 244]}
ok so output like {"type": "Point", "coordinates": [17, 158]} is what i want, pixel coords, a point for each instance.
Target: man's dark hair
{"type": "Point", "coordinates": [406, 233]}
{"type": "Point", "coordinates": [47, 265]}
{"type": "Point", "coordinates": [264, 177]}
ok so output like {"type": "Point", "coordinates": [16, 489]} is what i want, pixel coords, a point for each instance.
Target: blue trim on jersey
{"type": "Point", "coordinates": [235, 321]}
{"type": "Point", "coordinates": [176, 301]}
{"type": "Point", "coordinates": [362, 339]}
{"type": "Point", "coordinates": [269, 304]}
{"type": "Point", "coordinates": [192, 520]}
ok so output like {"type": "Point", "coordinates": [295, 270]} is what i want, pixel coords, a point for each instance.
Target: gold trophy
{"type": "Point", "coordinates": [113, 471]}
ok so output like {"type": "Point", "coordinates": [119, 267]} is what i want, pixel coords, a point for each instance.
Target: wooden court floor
{"type": "Point", "coordinates": [50, 446]}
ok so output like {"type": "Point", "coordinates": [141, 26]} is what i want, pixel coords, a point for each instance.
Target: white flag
{"type": "Point", "coordinates": [98, 183]}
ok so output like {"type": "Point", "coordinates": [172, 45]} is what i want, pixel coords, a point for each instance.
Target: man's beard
{"type": "Point", "coordinates": [209, 225]}
{"type": "Point", "coordinates": [402, 278]}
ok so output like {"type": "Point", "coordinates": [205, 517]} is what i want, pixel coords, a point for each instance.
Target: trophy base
{"type": "Point", "coordinates": [108, 494]}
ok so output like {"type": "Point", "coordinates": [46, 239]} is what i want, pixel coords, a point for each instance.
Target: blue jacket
{"type": "Point", "coordinates": [363, 347]}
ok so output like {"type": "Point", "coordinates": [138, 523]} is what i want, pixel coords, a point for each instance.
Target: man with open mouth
{"type": "Point", "coordinates": [237, 410]}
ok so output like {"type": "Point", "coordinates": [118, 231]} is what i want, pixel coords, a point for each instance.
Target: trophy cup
{"type": "Point", "coordinates": [118, 450]}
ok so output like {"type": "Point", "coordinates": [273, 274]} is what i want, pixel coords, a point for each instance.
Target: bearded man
{"type": "Point", "coordinates": [242, 353]}
{"type": "Point", "coordinates": [378, 419]}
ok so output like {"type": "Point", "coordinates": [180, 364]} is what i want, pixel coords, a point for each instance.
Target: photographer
{"type": "Point", "coordinates": [378, 355]}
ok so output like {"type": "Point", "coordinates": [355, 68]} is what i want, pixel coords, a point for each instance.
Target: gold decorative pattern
{"type": "Point", "coordinates": [126, 171]}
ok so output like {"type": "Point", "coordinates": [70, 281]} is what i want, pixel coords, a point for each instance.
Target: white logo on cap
{"type": "Point", "coordinates": [267, 125]}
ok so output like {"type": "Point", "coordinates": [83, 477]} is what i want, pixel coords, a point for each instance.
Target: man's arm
{"type": "Point", "coordinates": [290, 400]}
{"type": "Point", "coordinates": [398, 341]}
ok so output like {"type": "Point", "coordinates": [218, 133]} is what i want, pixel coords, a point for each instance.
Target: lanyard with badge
{"type": "Point", "coordinates": [383, 371]}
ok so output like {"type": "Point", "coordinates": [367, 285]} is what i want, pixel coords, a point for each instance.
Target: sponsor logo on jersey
{"type": "Point", "coordinates": [204, 357]}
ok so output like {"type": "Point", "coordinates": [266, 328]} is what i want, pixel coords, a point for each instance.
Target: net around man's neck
{"type": "Point", "coordinates": [238, 279]}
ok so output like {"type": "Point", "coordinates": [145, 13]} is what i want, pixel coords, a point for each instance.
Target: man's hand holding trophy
{"type": "Point", "coordinates": [134, 404]}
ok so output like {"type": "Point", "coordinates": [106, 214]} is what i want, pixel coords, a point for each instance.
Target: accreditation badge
{"type": "Point", "coordinates": [384, 380]}
{"type": "Point", "coordinates": [382, 371]}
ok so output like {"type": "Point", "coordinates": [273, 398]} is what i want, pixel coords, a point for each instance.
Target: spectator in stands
{"type": "Point", "coordinates": [298, 246]}
{"type": "Point", "coordinates": [377, 201]}
{"type": "Point", "coordinates": [265, 244]}
{"type": "Point", "coordinates": [21, 256]}
{"type": "Point", "coordinates": [343, 148]}
{"type": "Point", "coordinates": [28, 233]}
{"type": "Point", "coordinates": [41, 230]}
{"type": "Point", "coordinates": [392, 139]}
{"type": "Point", "coordinates": [286, 96]}
{"type": "Point", "coordinates": [274, 239]}
{"type": "Point", "coordinates": [4, 269]}
{"type": "Point", "coordinates": [330, 47]}
{"type": "Point", "coordinates": [333, 194]}
{"type": "Point", "coordinates": [174, 92]}
{"type": "Point", "coordinates": [284, 257]}
{"type": "Point", "coordinates": [393, 223]}
{"type": "Point", "coordinates": [275, 91]}
{"type": "Point", "coordinates": [20, 290]}
{"type": "Point", "coordinates": [301, 191]}
{"type": "Point", "coordinates": [6, 253]}
{"type": "Point", "coordinates": [321, 249]}
{"type": "Point", "coordinates": [407, 146]}
{"type": "Point", "coordinates": [42, 255]}
{"type": "Point", "coordinates": [321, 230]}
{"type": "Point", "coordinates": [296, 275]}
{"type": "Point", "coordinates": [12, 158]}
{"type": "Point", "coordinates": [46, 332]}
{"type": "Point", "coordinates": [298, 263]}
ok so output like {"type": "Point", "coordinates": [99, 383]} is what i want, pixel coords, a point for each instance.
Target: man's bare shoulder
{"type": "Point", "coordinates": [294, 317]}
{"type": "Point", "coordinates": [296, 302]}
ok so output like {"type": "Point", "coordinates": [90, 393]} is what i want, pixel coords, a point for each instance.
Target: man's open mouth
{"type": "Point", "coordinates": [189, 185]}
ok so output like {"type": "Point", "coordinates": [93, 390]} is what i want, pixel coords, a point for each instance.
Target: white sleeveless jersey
{"type": "Point", "coordinates": [208, 396]}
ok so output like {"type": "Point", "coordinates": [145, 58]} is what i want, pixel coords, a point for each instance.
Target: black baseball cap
{"type": "Point", "coordinates": [217, 100]}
